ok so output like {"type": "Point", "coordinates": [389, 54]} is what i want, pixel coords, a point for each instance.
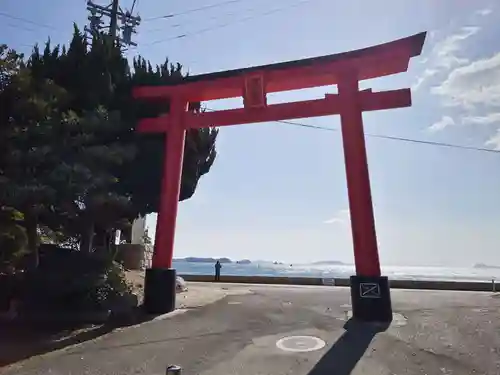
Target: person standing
{"type": "Point", "coordinates": [218, 266]}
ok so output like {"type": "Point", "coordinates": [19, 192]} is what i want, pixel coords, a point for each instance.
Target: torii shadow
{"type": "Point", "coordinates": [349, 348]}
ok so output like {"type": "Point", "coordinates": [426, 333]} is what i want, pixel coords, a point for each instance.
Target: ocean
{"type": "Point", "coordinates": [341, 271]}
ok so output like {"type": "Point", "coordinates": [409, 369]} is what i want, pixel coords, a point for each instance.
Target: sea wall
{"type": "Point", "coordinates": [475, 286]}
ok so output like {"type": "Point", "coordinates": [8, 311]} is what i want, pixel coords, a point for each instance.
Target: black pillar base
{"type": "Point", "coordinates": [159, 290]}
{"type": "Point", "coordinates": [371, 299]}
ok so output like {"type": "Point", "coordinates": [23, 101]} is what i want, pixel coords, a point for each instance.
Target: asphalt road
{"type": "Point", "coordinates": [433, 333]}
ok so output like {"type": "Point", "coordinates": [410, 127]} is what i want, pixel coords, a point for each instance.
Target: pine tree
{"type": "Point", "coordinates": [71, 160]}
{"type": "Point", "coordinates": [24, 166]}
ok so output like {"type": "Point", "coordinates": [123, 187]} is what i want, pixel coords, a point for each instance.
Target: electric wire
{"type": "Point", "coordinates": [171, 15]}
{"type": "Point", "coordinates": [228, 23]}
{"type": "Point", "coordinates": [17, 18]}
{"type": "Point", "coordinates": [394, 138]}
{"type": "Point", "coordinates": [388, 137]}
{"type": "Point", "coordinates": [21, 27]}
{"type": "Point", "coordinates": [133, 6]}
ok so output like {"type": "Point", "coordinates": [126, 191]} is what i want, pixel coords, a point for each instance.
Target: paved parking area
{"type": "Point", "coordinates": [274, 330]}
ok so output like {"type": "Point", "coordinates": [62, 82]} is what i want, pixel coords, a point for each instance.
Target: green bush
{"type": "Point", "coordinates": [71, 280]}
{"type": "Point", "coordinates": [13, 240]}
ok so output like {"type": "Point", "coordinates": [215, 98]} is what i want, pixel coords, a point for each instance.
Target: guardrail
{"type": "Point", "coordinates": [475, 286]}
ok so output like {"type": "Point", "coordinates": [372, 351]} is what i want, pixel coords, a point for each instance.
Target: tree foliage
{"type": "Point", "coordinates": [13, 240]}
{"type": "Point", "coordinates": [70, 159]}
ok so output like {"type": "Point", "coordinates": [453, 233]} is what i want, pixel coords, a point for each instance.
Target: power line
{"type": "Point", "coordinates": [433, 143]}
{"type": "Point", "coordinates": [20, 27]}
{"type": "Point", "coordinates": [171, 15]}
{"type": "Point", "coordinates": [393, 138]}
{"type": "Point", "coordinates": [167, 28]}
{"type": "Point", "coordinates": [389, 137]}
{"type": "Point", "coordinates": [202, 31]}
{"type": "Point", "coordinates": [17, 18]}
{"type": "Point", "coordinates": [136, 2]}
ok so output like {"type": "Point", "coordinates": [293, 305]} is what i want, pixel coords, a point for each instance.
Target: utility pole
{"type": "Point", "coordinates": [114, 19]}
{"type": "Point", "coordinates": [120, 25]}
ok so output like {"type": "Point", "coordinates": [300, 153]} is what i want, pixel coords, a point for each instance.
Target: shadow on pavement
{"type": "Point", "coordinates": [348, 349]}
{"type": "Point", "coordinates": [20, 340]}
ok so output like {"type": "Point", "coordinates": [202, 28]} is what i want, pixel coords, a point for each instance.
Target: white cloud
{"type": "Point", "coordinates": [442, 124]}
{"type": "Point", "coordinates": [428, 73]}
{"type": "Point", "coordinates": [491, 118]}
{"type": "Point", "coordinates": [444, 55]}
{"type": "Point", "coordinates": [494, 141]}
{"type": "Point", "coordinates": [472, 87]}
{"type": "Point", "coordinates": [484, 12]}
{"type": "Point", "coordinates": [477, 83]}
{"type": "Point", "coordinates": [341, 217]}
{"type": "Point", "coordinates": [446, 49]}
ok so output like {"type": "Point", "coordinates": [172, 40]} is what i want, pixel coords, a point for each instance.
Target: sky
{"type": "Point", "coordinates": [277, 191]}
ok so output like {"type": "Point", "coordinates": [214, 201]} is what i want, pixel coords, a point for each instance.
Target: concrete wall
{"type": "Point", "coordinates": [477, 286]}
{"type": "Point", "coordinates": [138, 230]}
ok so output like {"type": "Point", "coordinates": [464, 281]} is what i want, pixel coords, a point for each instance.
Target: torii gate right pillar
{"type": "Point", "coordinates": [370, 293]}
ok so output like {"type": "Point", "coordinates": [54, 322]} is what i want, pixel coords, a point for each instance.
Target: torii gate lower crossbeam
{"type": "Point", "coordinates": [369, 290]}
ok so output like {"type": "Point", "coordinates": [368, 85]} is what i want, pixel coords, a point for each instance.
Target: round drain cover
{"type": "Point", "coordinates": [300, 343]}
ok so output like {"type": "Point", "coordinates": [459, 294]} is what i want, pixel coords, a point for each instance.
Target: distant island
{"type": "Point", "coordinates": [482, 265]}
{"type": "Point", "coordinates": [211, 260]}
{"type": "Point", "coordinates": [203, 260]}
{"type": "Point", "coordinates": [243, 261]}
{"type": "Point", "coordinates": [247, 261]}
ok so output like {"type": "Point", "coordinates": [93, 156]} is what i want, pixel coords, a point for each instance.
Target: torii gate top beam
{"type": "Point", "coordinates": [376, 61]}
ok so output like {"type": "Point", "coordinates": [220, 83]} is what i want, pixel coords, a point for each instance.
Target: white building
{"type": "Point", "coordinates": [138, 230]}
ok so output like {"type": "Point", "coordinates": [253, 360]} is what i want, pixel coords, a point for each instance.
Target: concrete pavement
{"type": "Point", "coordinates": [433, 333]}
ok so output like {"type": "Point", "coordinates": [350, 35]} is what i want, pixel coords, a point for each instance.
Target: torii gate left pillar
{"type": "Point", "coordinates": [369, 290]}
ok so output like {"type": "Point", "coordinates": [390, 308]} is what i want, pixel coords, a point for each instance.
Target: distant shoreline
{"type": "Point", "coordinates": [487, 266]}
{"type": "Point", "coordinates": [225, 260]}
{"type": "Point", "coordinates": [211, 260]}
{"type": "Point", "coordinates": [247, 261]}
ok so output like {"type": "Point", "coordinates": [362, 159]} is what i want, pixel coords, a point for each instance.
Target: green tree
{"type": "Point", "coordinates": [73, 162]}
{"type": "Point", "coordinates": [28, 105]}
{"type": "Point", "coordinates": [13, 240]}
{"type": "Point", "coordinates": [98, 74]}
{"type": "Point", "coordinates": [57, 170]}
{"type": "Point", "coordinates": [144, 184]}
{"type": "Point", "coordinates": [84, 175]}
{"type": "Point", "coordinates": [10, 64]}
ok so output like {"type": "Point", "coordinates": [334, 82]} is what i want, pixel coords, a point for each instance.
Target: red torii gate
{"type": "Point", "coordinates": [369, 290]}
